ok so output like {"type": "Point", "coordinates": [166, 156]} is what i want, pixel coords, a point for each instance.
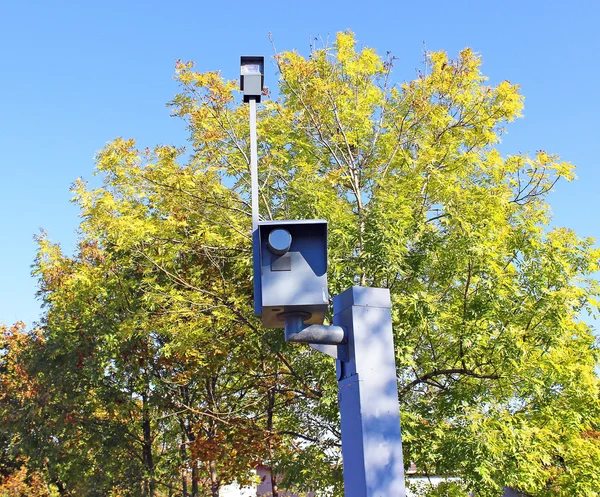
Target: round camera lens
{"type": "Point", "coordinates": [280, 241]}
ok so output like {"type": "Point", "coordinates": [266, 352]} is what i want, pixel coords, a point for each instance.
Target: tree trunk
{"type": "Point", "coordinates": [61, 488]}
{"type": "Point", "coordinates": [148, 488]}
{"type": "Point", "coordinates": [274, 483]}
{"type": "Point", "coordinates": [184, 485]}
{"type": "Point", "coordinates": [188, 435]}
{"type": "Point", "coordinates": [214, 482]}
{"type": "Point", "coordinates": [270, 412]}
{"type": "Point", "coordinates": [195, 476]}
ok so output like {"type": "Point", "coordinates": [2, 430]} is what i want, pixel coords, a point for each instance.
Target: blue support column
{"type": "Point", "coordinates": [368, 395]}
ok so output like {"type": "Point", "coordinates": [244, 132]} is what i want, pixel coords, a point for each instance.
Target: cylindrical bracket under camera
{"type": "Point", "coordinates": [296, 331]}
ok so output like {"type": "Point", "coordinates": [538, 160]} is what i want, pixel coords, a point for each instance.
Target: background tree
{"type": "Point", "coordinates": [487, 297]}
{"type": "Point", "coordinates": [149, 340]}
{"type": "Point", "coordinates": [18, 476]}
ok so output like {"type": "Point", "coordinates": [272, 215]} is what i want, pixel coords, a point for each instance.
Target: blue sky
{"type": "Point", "coordinates": [75, 75]}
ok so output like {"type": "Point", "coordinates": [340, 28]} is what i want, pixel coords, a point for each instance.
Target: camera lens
{"type": "Point", "coordinates": [279, 241]}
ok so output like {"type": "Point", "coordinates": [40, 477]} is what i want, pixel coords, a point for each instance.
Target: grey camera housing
{"type": "Point", "coordinates": [295, 281]}
{"type": "Point", "coordinates": [252, 78]}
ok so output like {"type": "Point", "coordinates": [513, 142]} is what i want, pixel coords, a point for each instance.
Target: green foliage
{"type": "Point", "coordinates": [152, 373]}
{"type": "Point", "coordinates": [449, 488]}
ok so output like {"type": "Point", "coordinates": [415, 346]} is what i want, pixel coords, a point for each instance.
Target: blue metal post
{"type": "Point", "coordinates": [368, 395]}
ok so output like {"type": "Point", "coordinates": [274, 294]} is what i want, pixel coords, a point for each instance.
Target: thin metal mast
{"type": "Point", "coordinates": [253, 164]}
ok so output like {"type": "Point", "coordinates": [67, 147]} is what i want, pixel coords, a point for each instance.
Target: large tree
{"type": "Point", "coordinates": [495, 364]}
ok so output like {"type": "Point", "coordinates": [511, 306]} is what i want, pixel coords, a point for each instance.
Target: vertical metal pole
{"type": "Point", "coordinates": [368, 396]}
{"type": "Point", "coordinates": [253, 164]}
{"type": "Point", "coordinates": [254, 193]}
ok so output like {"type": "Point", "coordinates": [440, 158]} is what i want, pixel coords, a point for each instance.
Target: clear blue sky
{"type": "Point", "coordinates": [75, 75]}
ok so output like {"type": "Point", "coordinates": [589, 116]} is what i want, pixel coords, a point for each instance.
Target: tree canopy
{"type": "Point", "coordinates": [150, 375]}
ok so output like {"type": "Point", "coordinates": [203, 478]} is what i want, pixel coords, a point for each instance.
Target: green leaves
{"type": "Point", "coordinates": [150, 351]}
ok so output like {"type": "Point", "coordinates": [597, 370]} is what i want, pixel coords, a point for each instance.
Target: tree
{"type": "Point", "coordinates": [17, 476]}
{"type": "Point", "coordinates": [495, 365]}
{"type": "Point", "coordinates": [112, 355]}
{"type": "Point", "coordinates": [487, 297]}
{"type": "Point", "coordinates": [147, 319]}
